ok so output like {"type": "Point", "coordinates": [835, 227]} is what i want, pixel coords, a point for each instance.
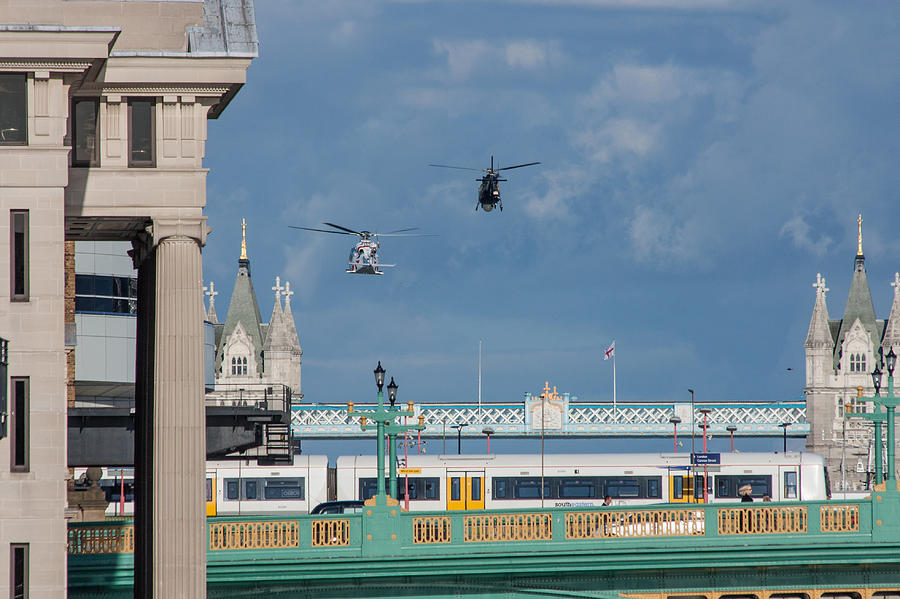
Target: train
{"type": "Point", "coordinates": [499, 481]}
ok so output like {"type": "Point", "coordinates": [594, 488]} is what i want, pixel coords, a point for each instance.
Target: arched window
{"type": "Point", "coordinates": [233, 366]}
{"type": "Point", "coordinates": [862, 362]}
{"type": "Point", "coordinates": [245, 366]}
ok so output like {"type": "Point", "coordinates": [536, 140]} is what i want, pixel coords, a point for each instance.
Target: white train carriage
{"type": "Point", "coordinates": [243, 487]}
{"type": "Point", "coordinates": [464, 482]}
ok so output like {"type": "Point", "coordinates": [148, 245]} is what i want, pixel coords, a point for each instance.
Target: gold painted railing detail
{"type": "Point", "coordinates": [330, 533]}
{"type": "Point", "coordinates": [101, 539]}
{"type": "Point", "coordinates": [762, 520]}
{"type": "Point", "coordinates": [634, 524]}
{"type": "Point", "coordinates": [839, 518]}
{"type": "Point", "coordinates": [254, 535]}
{"type": "Point", "coordinates": [431, 529]}
{"type": "Point", "coordinates": [507, 527]}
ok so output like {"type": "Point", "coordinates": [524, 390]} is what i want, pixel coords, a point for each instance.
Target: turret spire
{"type": "Point", "coordinates": [819, 335]}
{"type": "Point", "coordinates": [244, 239]}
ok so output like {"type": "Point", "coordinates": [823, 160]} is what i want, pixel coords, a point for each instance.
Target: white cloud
{"type": "Point", "coordinates": [656, 236]}
{"type": "Point", "coordinates": [464, 56]}
{"type": "Point", "coordinates": [799, 231]}
{"type": "Point", "coordinates": [468, 57]}
{"type": "Point", "coordinates": [344, 33]}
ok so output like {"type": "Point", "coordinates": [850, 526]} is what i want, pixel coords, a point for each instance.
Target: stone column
{"type": "Point", "coordinates": [170, 452]}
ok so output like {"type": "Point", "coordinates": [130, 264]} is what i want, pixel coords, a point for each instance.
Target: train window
{"type": "Point", "coordinates": [454, 488]}
{"type": "Point", "coordinates": [284, 488]}
{"type": "Point", "coordinates": [623, 488]}
{"type": "Point", "coordinates": [476, 488]}
{"type": "Point", "coordinates": [577, 488]}
{"type": "Point", "coordinates": [677, 482]}
{"type": "Point", "coordinates": [367, 488]}
{"type": "Point", "coordinates": [209, 487]}
{"type": "Point", "coordinates": [653, 487]}
{"type": "Point", "coordinates": [250, 489]}
{"type": "Point", "coordinates": [728, 485]}
{"type": "Point", "coordinates": [413, 488]}
{"type": "Point", "coordinates": [530, 488]}
{"type": "Point", "coordinates": [431, 488]}
{"type": "Point", "coordinates": [790, 485]}
{"type": "Point", "coordinates": [500, 487]}
{"type": "Point", "coordinates": [232, 488]}
{"type": "Point", "coordinates": [723, 487]}
{"type": "Point", "coordinates": [698, 486]}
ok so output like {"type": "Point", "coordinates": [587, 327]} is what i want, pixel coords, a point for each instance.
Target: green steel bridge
{"type": "Point", "coordinates": [829, 549]}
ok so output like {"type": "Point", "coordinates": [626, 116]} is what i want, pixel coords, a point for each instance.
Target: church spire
{"type": "Point", "coordinates": [859, 301]}
{"type": "Point", "coordinates": [819, 335]}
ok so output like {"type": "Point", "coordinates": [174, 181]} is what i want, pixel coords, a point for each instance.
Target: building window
{"type": "Point", "coordinates": [233, 365]}
{"type": "Point", "coordinates": [13, 111]}
{"type": "Point", "coordinates": [19, 427]}
{"type": "Point", "coordinates": [18, 568]}
{"type": "Point", "coordinates": [85, 132]}
{"type": "Point", "coordinates": [245, 366]}
{"type": "Point", "coordinates": [141, 133]}
{"type": "Point", "coordinates": [105, 294]}
{"type": "Point", "coordinates": [18, 260]}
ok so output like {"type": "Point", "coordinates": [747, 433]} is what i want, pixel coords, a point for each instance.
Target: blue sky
{"type": "Point", "coordinates": [700, 165]}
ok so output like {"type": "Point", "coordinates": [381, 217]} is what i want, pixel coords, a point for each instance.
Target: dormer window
{"type": "Point", "coordinates": [857, 362]}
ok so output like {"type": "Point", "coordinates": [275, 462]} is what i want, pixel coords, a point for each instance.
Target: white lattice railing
{"type": "Point", "coordinates": [582, 419]}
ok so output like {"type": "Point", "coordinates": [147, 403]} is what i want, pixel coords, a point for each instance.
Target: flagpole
{"type": "Point", "coordinates": [614, 380]}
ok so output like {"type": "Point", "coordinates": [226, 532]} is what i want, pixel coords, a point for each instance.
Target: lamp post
{"type": "Point", "coordinates": [675, 420]}
{"type": "Point", "coordinates": [889, 403]}
{"type": "Point", "coordinates": [384, 425]}
{"type": "Point", "coordinates": [488, 431]}
{"type": "Point", "coordinates": [705, 412]}
{"type": "Point", "coordinates": [731, 429]}
{"type": "Point", "coordinates": [459, 426]}
{"type": "Point", "coordinates": [691, 391]}
{"type": "Point", "coordinates": [784, 426]}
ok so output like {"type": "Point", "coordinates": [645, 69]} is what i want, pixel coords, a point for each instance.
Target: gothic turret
{"type": "Point", "coordinates": [892, 327]}
{"type": "Point", "coordinates": [819, 343]}
{"type": "Point", "coordinates": [859, 308]}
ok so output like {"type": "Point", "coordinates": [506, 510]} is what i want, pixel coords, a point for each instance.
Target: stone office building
{"type": "Point", "coordinates": [103, 114]}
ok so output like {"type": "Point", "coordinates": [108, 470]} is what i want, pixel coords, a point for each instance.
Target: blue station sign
{"type": "Point", "coordinates": [705, 459]}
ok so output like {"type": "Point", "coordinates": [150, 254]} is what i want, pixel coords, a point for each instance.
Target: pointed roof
{"type": "Point", "coordinates": [892, 327]}
{"type": "Point", "coordinates": [859, 305]}
{"type": "Point", "coordinates": [819, 335]}
{"type": "Point", "coordinates": [243, 308]}
{"type": "Point", "coordinates": [211, 315]}
{"type": "Point", "coordinates": [277, 338]}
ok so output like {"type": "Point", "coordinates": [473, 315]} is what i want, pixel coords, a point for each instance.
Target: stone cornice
{"type": "Point", "coordinates": [72, 65]}
{"type": "Point", "coordinates": [155, 89]}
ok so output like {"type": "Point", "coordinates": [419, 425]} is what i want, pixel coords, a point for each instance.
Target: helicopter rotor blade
{"type": "Point", "coordinates": [343, 228]}
{"type": "Point", "coordinates": [402, 230]}
{"type": "Point", "coordinates": [506, 168]}
{"type": "Point", "coordinates": [320, 230]}
{"type": "Point", "coordinates": [404, 235]}
{"type": "Point", "coordinates": [462, 168]}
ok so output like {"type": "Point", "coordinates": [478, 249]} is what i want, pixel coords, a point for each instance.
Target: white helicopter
{"type": "Point", "coordinates": [364, 255]}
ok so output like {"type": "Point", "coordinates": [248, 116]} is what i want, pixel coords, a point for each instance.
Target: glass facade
{"type": "Point", "coordinates": [13, 109]}
{"type": "Point", "coordinates": [105, 294]}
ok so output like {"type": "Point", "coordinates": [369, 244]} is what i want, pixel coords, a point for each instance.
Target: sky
{"type": "Point", "coordinates": [700, 163]}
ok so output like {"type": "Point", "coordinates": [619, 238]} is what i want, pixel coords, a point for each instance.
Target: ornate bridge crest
{"type": "Point", "coordinates": [548, 411]}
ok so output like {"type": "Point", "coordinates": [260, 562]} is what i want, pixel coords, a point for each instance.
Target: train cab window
{"type": "Point", "coordinates": [454, 488]}
{"type": "Point", "coordinates": [250, 489]}
{"type": "Point", "coordinates": [677, 486]}
{"type": "Point", "coordinates": [577, 488]}
{"type": "Point", "coordinates": [476, 488]}
{"type": "Point", "coordinates": [431, 488]}
{"type": "Point", "coordinates": [232, 489]}
{"type": "Point", "coordinates": [790, 485]}
{"type": "Point", "coordinates": [500, 488]}
{"type": "Point", "coordinates": [284, 488]}
{"type": "Point", "coordinates": [209, 489]}
{"type": "Point", "coordinates": [653, 488]}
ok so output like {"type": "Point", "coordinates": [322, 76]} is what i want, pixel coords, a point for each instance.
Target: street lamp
{"type": "Point", "coordinates": [731, 429]}
{"type": "Point", "coordinates": [459, 426]}
{"type": "Point", "coordinates": [675, 420]}
{"type": "Point", "coordinates": [488, 431]}
{"type": "Point", "coordinates": [705, 412]}
{"type": "Point", "coordinates": [691, 391]}
{"type": "Point", "coordinates": [784, 426]}
{"type": "Point", "coordinates": [392, 392]}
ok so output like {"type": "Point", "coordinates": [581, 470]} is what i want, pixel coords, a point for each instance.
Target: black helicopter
{"type": "Point", "coordinates": [489, 190]}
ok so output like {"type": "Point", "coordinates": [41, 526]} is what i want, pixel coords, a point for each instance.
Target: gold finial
{"type": "Point", "coordinates": [243, 239]}
{"type": "Point", "coordinates": [859, 239]}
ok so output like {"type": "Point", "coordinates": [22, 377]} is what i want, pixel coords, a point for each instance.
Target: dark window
{"type": "Point", "coordinates": [19, 430]}
{"type": "Point", "coordinates": [653, 487]}
{"type": "Point", "coordinates": [500, 485]}
{"type": "Point", "coordinates": [729, 485]}
{"type": "Point", "coordinates": [284, 488]}
{"type": "Point", "coordinates": [698, 486]}
{"type": "Point", "coordinates": [677, 482]}
{"type": "Point", "coordinates": [723, 486]}
{"type": "Point", "coordinates": [476, 488]}
{"type": "Point", "coordinates": [530, 488]}
{"type": "Point", "coordinates": [790, 485]}
{"type": "Point", "coordinates": [142, 133]}
{"type": "Point", "coordinates": [209, 490]}
{"type": "Point", "coordinates": [431, 488]}
{"type": "Point", "coordinates": [454, 488]}
{"type": "Point", "coordinates": [232, 489]}
{"type": "Point", "coordinates": [85, 132]}
{"type": "Point", "coordinates": [13, 109]}
{"type": "Point", "coordinates": [577, 488]}
{"type": "Point", "coordinates": [625, 488]}
{"type": "Point", "coordinates": [18, 565]}
{"type": "Point", "coordinates": [250, 489]}
{"type": "Point", "coordinates": [4, 364]}
{"type": "Point", "coordinates": [105, 294]}
{"type": "Point", "coordinates": [19, 255]}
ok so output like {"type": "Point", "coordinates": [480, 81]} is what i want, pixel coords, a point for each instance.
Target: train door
{"type": "Point", "coordinates": [211, 493]}
{"type": "Point", "coordinates": [465, 489]}
{"type": "Point", "coordinates": [685, 486]}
